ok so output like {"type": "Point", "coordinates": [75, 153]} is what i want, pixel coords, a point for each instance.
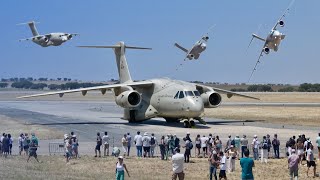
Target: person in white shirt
{"type": "Point", "coordinates": [138, 143]}
{"type": "Point", "coordinates": [105, 141]}
{"type": "Point", "coordinates": [124, 142]}
{"type": "Point", "coordinates": [153, 143]}
{"type": "Point", "coordinates": [20, 143]}
{"type": "Point", "coordinates": [204, 141]}
{"type": "Point", "coordinates": [310, 160]}
{"type": "Point", "coordinates": [223, 166]}
{"type": "Point", "coordinates": [177, 165]}
{"type": "Point", "coordinates": [146, 144]}
{"type": "Point", "coordinates": [244, 144]}
{"type": "Point", "coordinates": [255, 147]}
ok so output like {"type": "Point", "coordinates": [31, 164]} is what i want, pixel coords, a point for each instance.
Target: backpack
{"type": "Point", "coordinates": [233, 142]}
{"type": "Point", "coordinates": [152, 141]}
{"type": "Point", "coordinates": [265, 144]}
{"type": "Point", "coordinates": [190, 145]}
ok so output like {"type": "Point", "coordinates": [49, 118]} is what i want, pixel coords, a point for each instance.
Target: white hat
{"type": "Point", "coordinates": [145, 134]}
{"type": "Point", "coordinates": [293, 150]}
{"type": "Point", "coordinates": [188, 132]}
{"type": "Point", "coordinates": [255, 136]}
{"type": "Point", "coordinates": [120, 157]}
{"type": "Point", "coordinates": [66, 136]}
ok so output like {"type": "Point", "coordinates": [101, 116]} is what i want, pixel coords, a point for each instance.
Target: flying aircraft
{"type": "Point", "coordinates": [51, 39]}
{"type": "Point", "coordinates": [170, 99]}
{"type": "Point", "coordinates": [197, 48]}
{"type": "Point", "coordinates": [273, 39]}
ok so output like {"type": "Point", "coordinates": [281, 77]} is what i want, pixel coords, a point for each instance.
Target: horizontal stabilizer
{"type": "Point", "coordinates": [258, 37]}
{"type": "Point", "coordinates": [116, 46]}
{"type": "Point", "coordinates": [180, 47]}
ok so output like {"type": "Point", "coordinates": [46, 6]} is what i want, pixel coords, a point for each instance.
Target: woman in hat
{"type": "Point", "coordinates": [120, 167]}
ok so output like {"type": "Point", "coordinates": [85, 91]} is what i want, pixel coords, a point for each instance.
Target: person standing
{"type": "Point", "coordinates": [310, 159]}
{"type": "Point", "coordinates": [276, 146]}
{"type": "Point", "coordinates": [10, 143]}
{"type": "Point", "coordinates": [98, 145]}
{"type": "Point", "coordinates": [138, 143]}
{"type": "Point", "coordinates": [120, 168]}
{"type": "Point", "coordinates": [269, 145]}
{"type": "Point", "coordinates": [105, 141]}
{"type": "Point", "coordinates": [177, 165]}
{"type": "Point", "coordinates": [246, 164]}
{"type": "Point", "coordinates": [20, 143]}
{"type": "Point", "coordinates": [188, 136]}
{"type": "Point", "coordinates": [255, 147]}
{"type": "Point", "coordinates": [232, 154]}
{"type": "Point", "coordinates": [146, 145]}
{"type": "Point", "coordinates": [172, 145]}
{"type": "Point", "coordinates": [237, 142]}
{"type": "Point", "coordinates": [318, 144]}
{"type": "Point", "coordinates": [187, 152]}
{"type": "Point", "coordinates": [68, 147]}
{"type": "Point", "coordinates": [213, 161]}
{"type": "Point", "coordinates": [34, 144]}
{"type": "Point", "coordinates": [198, 144]}
{"type": "Point", "coordinates": [176, 141]}
{"type": "Point", "coordinates": [229, 142]}
{"type": "Point", "coordinates": [218, 144]}
{"type": "Point", "coordinates": [162, 146]}
{"type": "Point", "coordinates": [293, 162]}
{"type": "Point", "coordinates": [124, 142]}
{"type": "Point", "coordinates": [204, 147]}
{"type": "Point", "coordinates": [223, 166]}
{"type": "Point", "coordinates": [244, 144]}
{"type": "Point", "coordinates": [74, 145]}
{"type": "Point", "coordinates": [5, 145]}
{"type": "Point", "coordinates": [153, 144]}
{"type": "Point", "coordinates": [129, 143]}
{"type": "Point", "coordinates": [26, 142]}
{"type": "Point", "coordinates": [264, 150]}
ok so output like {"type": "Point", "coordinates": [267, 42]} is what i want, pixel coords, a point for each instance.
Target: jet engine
{"type": "Point", "coordinates": [281, 23]}
{"type": "Point", "coordinates": [211, 99]}
{"type": "Point", "coordinates": [128, 99]}
{"type": "Point", "coordinates": [69, 37]}
{"type": "Point", "coordinates": [266, 50]}
{"type": "Point", "coordinates": [45, 39]}
{"type": "Point", "coordinates": [206, 38]}
{"type": "Point", "coordinates": [191, 56]}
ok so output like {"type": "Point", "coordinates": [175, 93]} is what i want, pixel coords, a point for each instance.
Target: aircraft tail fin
{"type": "Point", "coordinates": [180, 47]}
{"type": "Point", "coordinates": [119, 50]}
{"type": "Point", "coordinates": [32, 27]}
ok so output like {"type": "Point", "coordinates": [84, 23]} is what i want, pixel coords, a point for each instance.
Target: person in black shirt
{"type": "Point", "coordinates": [99, 143]}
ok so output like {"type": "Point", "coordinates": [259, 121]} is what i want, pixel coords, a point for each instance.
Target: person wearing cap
{"type": "Point", "coordinates": [153, 144]}
{"type": "Point", "coordinates": [214, 163]}
{"type": "Point", "coordinates": [120, 168]}
{"type": "Point", "coordinates": [244, 144]}
{"type": "Point", "coordinates": [188, 136]}
{"type": "Point", "coordinates": [276, 146]}
{"type": "Point", "coordinates": [293, 162]}
{"type": "Point", "coordinates": [310, 159]}
{"type": "Point", "coordinates": [255, 147]}
{"type": "Point", "coordinates": [146, 144]}
{"type": "Point", "coordinates": [246, 164]}
{"type": "Point", "coordinates": [138, 143]}
{"type": "Point", "coordinates": [177, 165]}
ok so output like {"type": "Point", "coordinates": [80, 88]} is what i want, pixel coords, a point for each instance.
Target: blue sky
{"type": "Point", "coordinates": [159, 24]}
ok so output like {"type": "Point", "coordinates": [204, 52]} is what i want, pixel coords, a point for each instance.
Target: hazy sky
{"type": "Point", "coordinates": [159, 24]}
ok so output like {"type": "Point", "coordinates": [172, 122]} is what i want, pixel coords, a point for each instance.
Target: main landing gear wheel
{"type": "Point", "coordinates": [172, 120]}
{"type": "Point", "coordinates": [186, 124]}
{"type": "Point", "coordinates": [192, 124]}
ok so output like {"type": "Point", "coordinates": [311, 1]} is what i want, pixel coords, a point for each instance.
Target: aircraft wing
{"type": "Point", "coordinates": [258, 61]}
{"type": "Point", "coordinates": [27, 39]}
{"type": "Point", "coordinates": [102, 88]}
{"type": "Point", "coordinates": [283, 15]}
{"type": "Point", "coordinates": [228, 93]}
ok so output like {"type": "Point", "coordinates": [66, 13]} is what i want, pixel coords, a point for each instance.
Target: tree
{"type": "Point", "coordinates": [54, 87]}
{"type": "Point", "coordinates": [65, 79]}
{"type": "Point", "coordinates": [3, 85]}
{"type": "Point", "coordinates": [287, 89]}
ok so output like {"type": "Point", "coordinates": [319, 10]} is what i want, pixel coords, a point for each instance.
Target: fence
{"type": "Point", "coordinates": [56, 148]}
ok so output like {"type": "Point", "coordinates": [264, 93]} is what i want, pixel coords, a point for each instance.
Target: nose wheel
{"type": "Point", "coordinates": [189, 124]}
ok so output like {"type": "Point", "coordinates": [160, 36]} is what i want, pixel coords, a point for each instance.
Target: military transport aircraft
{"type": "Point", "coordinates": [51, 39]}
{"type": "Point", "coordinates": [195, 51]}
{"type": "Point", "coordinates": [273, 39]}
{"type": "Point", "coordinates": [172, 100]}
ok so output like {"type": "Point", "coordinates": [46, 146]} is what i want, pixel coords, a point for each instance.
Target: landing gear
{"type": "Point", "coordinates": [132, 118]}
{"type": "Point", "coordinates": [172, 120]}
{"type": "Point", "coordinates": [189, 124]}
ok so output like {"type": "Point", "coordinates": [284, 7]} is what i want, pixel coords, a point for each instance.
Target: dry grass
{"type": "Point", "coordinates": [14, 127]}
{"type": "Point", "coordinates": [307, 116]}
{"type": "Point", "coordinates": [54, 167]}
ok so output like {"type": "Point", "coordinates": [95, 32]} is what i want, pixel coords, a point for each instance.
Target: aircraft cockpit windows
{"type": "Point", "coordinates": [181, 95]}
{"type": "Point", "coordinates": [177, 95]}
{"type": "Point", "coordinates": [197, 93]}
{"type": "Point", "coordinates": [189, 93]}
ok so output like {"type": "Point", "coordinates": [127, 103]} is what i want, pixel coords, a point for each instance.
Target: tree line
{"type": "Point", "coordinates": [40, 86]}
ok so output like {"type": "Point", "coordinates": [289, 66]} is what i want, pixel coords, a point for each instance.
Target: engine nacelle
{"type": "Point", "coordinates": [69, 37]}
{"type": "Point", "coordinates": [211, 99]}
{"type": "Point", "coordinates": [266, 50]}
{"type": "Point", "coordinates": [281, 23]}
{"type": "Point", "coordinates": [191, 56]}
{"type": "Point", "coordinates": [45, 39]}
{"type": "Point", "coordinates": [128, 99]}
{"type": "Point", "coordinates": [206, 38]}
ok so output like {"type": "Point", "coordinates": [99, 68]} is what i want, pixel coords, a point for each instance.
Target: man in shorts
{"type": "Point", "coordinates": [99, 143]}
{"type": "Point", "coordinates": [318, 144]}
{"type": "Point", "coordinates": [105, 141]}
{"type": "Point", "coordinates": [223, 166]}
{"type": "Point", "coordinates": [310, 159]}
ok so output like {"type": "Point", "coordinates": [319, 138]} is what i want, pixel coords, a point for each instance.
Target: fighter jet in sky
{"type": "Point", "coordinates": [51, 39]}
{"type": "Point", "coordinates": [195, 51]}
{"type": "Point", "coordinates": [273, 39]}
{"type": "Point", "coordinates": [170, 99]}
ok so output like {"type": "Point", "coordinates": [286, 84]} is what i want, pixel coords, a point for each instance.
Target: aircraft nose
{"type": "Point", "coordinates": [195, 108]}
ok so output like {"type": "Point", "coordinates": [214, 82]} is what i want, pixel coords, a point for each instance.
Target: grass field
{"type": "Point", "coordinates": [87, 167]}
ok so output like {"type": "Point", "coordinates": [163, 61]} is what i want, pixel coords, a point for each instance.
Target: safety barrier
{"type": "Point", "coordinates": [56, 148]}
